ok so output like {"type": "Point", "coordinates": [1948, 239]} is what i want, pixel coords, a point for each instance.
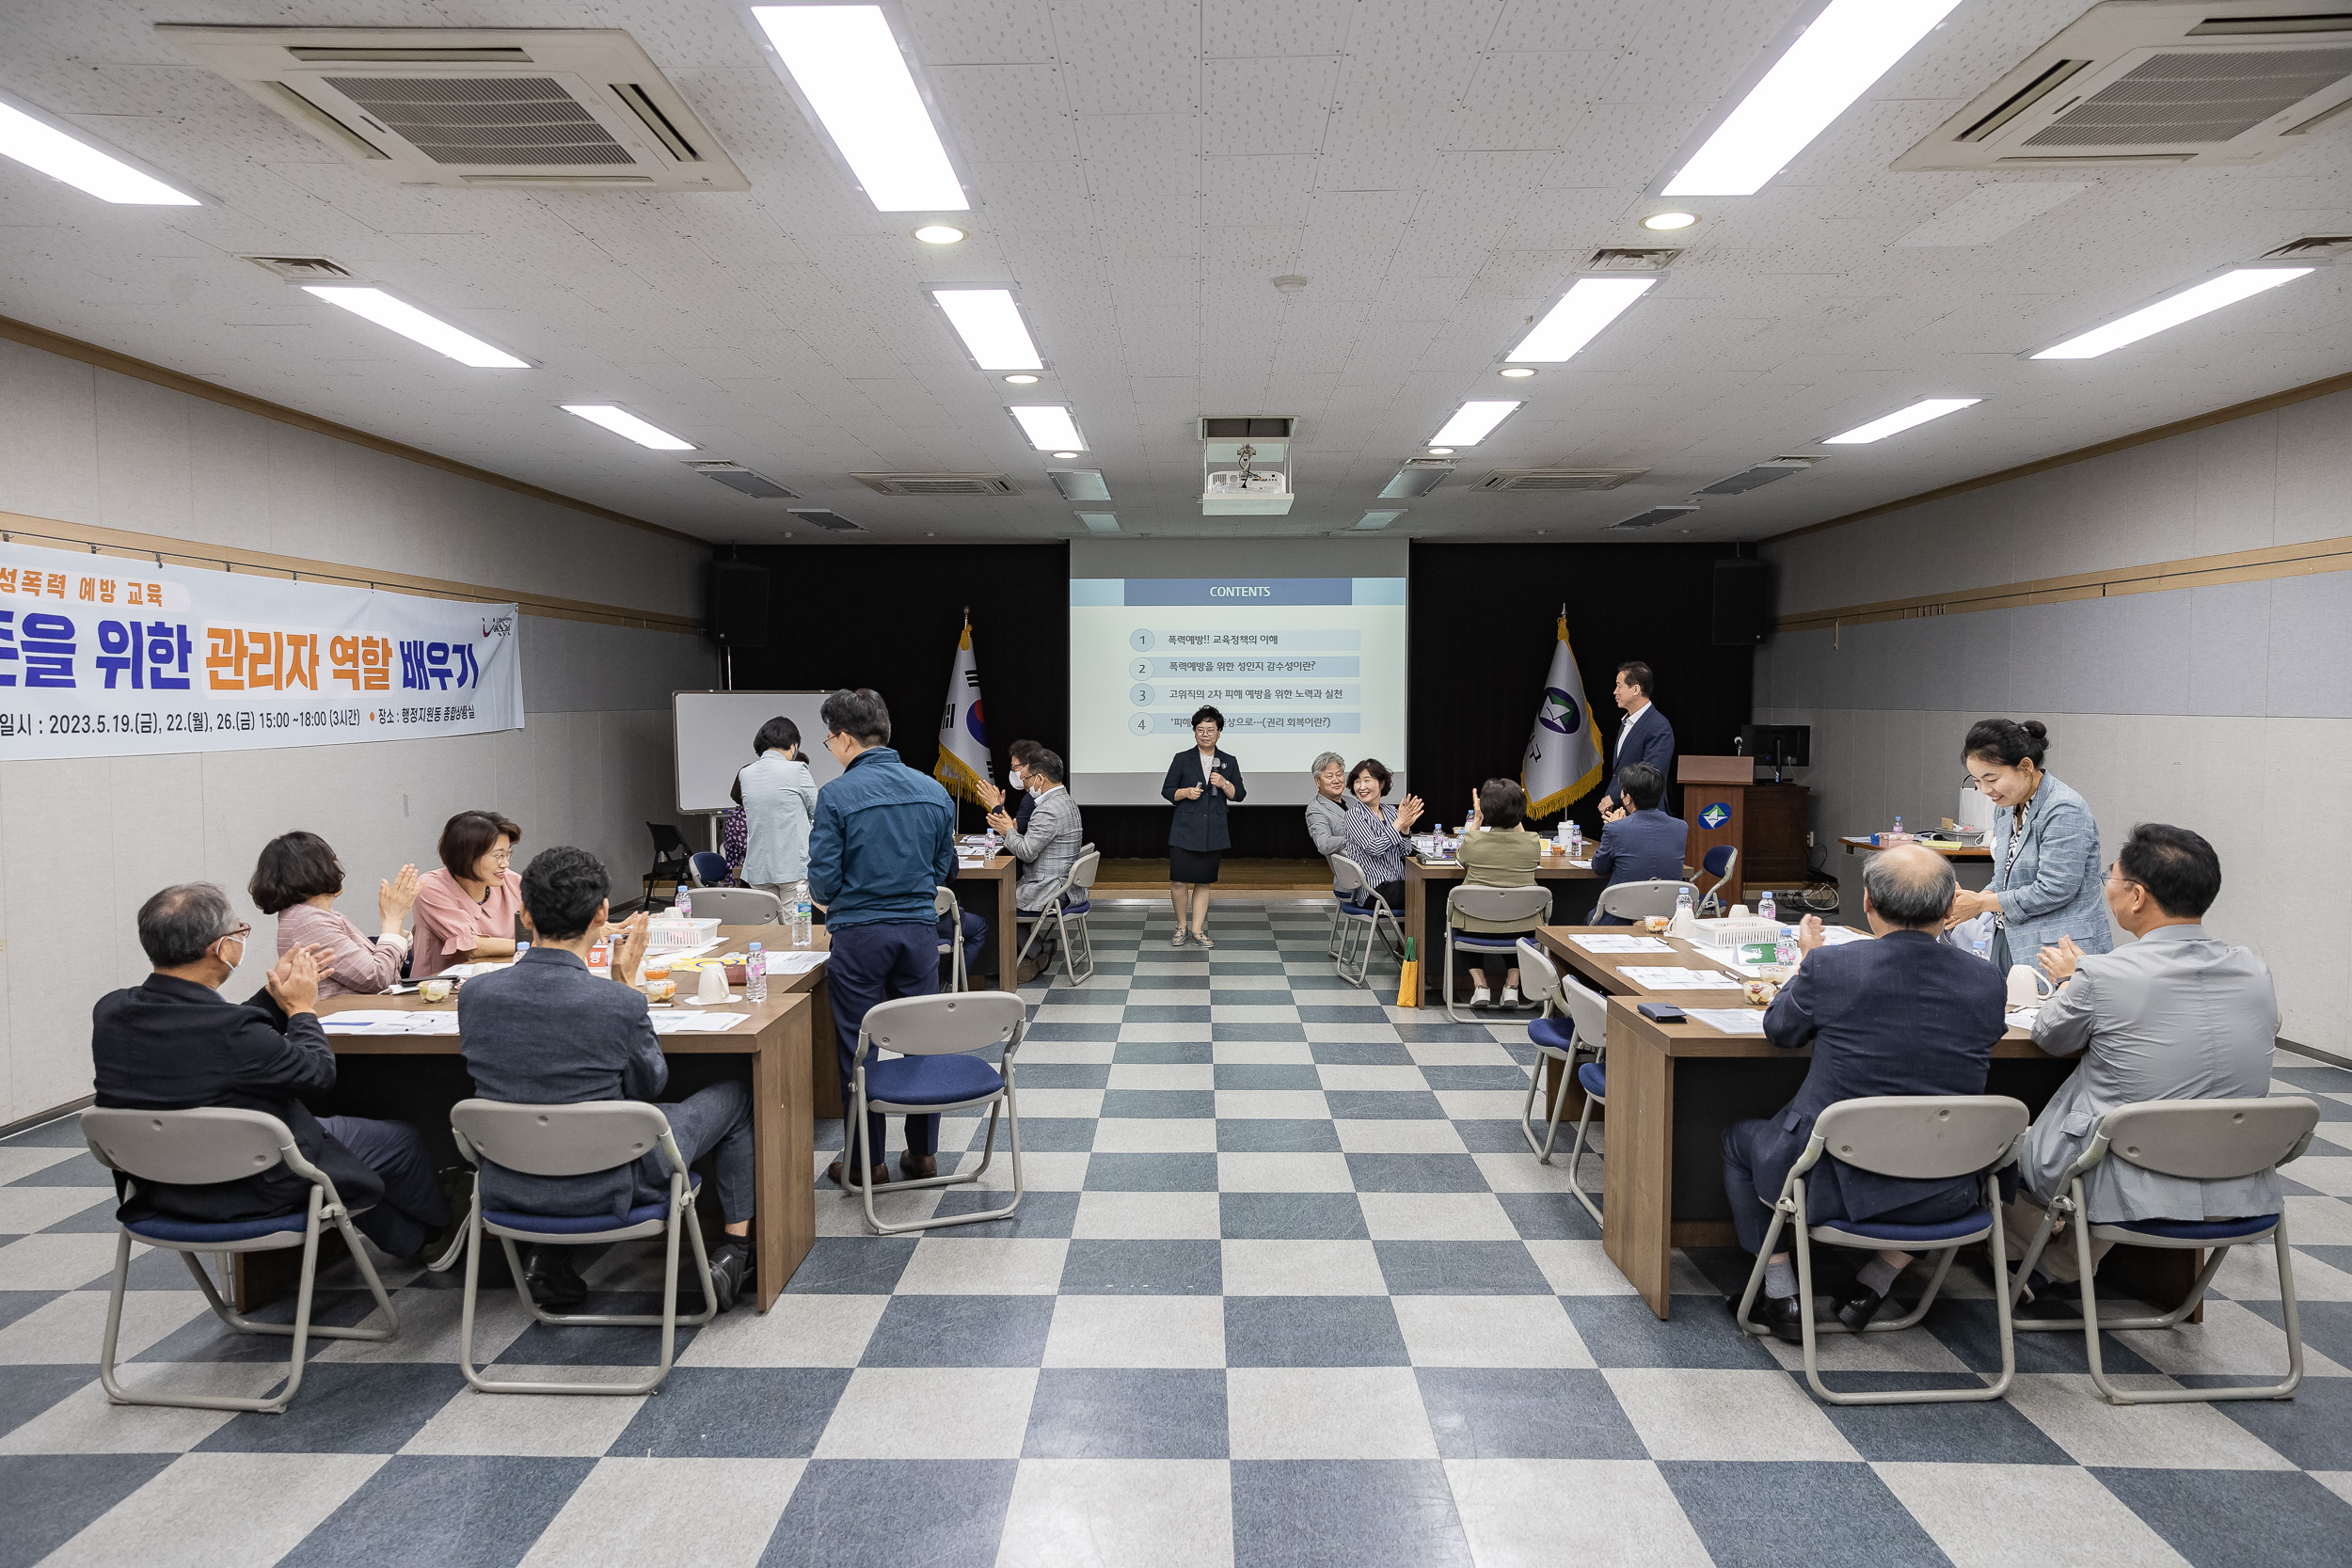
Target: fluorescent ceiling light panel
{"type": "Point", "coordinates": [2189, 304]}
{"type": "Point", "coordinates": [1900, 419]}
{"type": "Point", "coordinates": [620, 421]}
{"type": "Point", "coordinates": [846, 63]}
{"type": "Point", "coordinates": [1475, 421]}
{"type": "Point", "coordinates": [991, 326]}
{"type": "Point", "coordinates": [410, 322]}
{"type": "Point", "coordinates": [1590, 304]}
{"type": "Point", "coordinates": [1848, 47]}
{"type": "Point", "coordinates": [36, 143]}
{"type": "Point", "coordinates": [1049, 427]}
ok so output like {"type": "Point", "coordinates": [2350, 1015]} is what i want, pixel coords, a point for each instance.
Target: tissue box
{"type": "Point", "coordinates": [669, 932]}
{"type": "Point", "coordinates": [1747, 942]}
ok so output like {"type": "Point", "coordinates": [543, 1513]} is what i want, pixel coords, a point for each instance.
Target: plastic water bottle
{"type": "Point", "coordinates": [801, 935]}
{"type": "Point", "coordinates": [1985, 948]}
{"type": "Point", "coordinates": [1683, 910]}
{"type": "Point", "coordinates": [1897, 836]}
{"type": "Point", "coordinates": [756, 974]}
{"type": "Point", "coordinates": [1576, 841]}
{"type": "Point", "coordinates": [1785, 950]}
{"type": "Point", "coordinates": [684, 907]}
{"type": "Point", "coordinates": [1766, 908]}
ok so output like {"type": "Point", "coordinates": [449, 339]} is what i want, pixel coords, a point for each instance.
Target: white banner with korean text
{"type": "Point", "coordinates": [103, 656]}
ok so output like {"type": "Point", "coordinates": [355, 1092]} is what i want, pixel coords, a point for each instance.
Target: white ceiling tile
{"type": "Point", "coordinates": [1231, 28]}
{"type": "Point", "coordinates": [980, 32]}
{"type": "Point", "coordinates": [1267, 106]}
{"type": "Point", "coordinates": [1006, 113]}
{"type": "Point", "coordinates": [1130, 57]}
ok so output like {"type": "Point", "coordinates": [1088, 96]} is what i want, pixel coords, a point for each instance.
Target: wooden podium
{"type": "Point", "coordinates": [1764, 822]}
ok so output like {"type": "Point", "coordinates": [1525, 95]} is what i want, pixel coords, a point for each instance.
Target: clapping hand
{"type": "Point", "coordinates": [629, 947]}
{"type": "Point", "coordinates": [1610, 810]}
{"type": "Point", "coordinates": [2059, 963]}
{"type": "Point", "coordinates": [395, 898]}
{"type": "Point", "coordinates": [998, 819]}
{"type": "Point", "coordinates": [991, 797]}
{"type": "Point", "coordinates": [1809, 933]}
{"type": "Point", "coordinates": [293, 979]}
{"type": "Point", "coordinates": [1408, 813]}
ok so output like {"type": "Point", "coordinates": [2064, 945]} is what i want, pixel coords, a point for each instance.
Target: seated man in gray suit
{"type": "Point", "coordinates": [1046, 847]}
{"type": "Point", "coordinates": [547, 1032]}
{"type": "Point", "coordinates": [2178, 1014]}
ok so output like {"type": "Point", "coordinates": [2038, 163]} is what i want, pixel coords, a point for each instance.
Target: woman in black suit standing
{"type": "Point", "coordinates": [1201, 783]}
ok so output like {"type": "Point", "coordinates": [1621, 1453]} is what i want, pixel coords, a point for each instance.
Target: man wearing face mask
{"type": "Point", "coordinates": [1045, 841]}
{"type": "Point", "coordinates": [1023, 752]}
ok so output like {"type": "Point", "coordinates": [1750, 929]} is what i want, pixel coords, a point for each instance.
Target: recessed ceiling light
{"type": "Point", "coordinates": [1475, 420]}
{"type": "Point", "coordinates": [991, 326]}
{"type": "Point", "coordinates": [1022, 380]}
{"type": "Point", "coordinates": [1065, 455]}
{"type": "Point", "coordinates": [2189, 304]}
{"type": "Point", "coordinates": [399, 316]}
{"type": "Point", "coordinates": [1441, 452]}
{"type": "Point", "coordinates": [1900, 419]}
{"type": "Point", "coordinates": [848, 67]}
{"type": "Point", "coordinates": [1592, 304]}
{"type": "Point", "coordinates": [37, 143]}
{"type": "Point", "coordinates": [622, 422]}
{"type": "Point", "coordinates": [939, 233]}
{"type": "Point", "coordinates": [1516, 372]}
{"type": "Point", "coordinates": [1049, 427]}
{"type": "Point", "coordinates": [1670, 220]}
{"type": "Point", "coordinates": [1848, 47]}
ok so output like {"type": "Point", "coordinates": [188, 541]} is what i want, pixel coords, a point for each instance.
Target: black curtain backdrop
{"type": "Point", "coordinates": [1480, 629]}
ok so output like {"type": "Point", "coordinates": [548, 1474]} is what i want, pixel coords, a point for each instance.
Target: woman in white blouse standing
{"type": "Point", "coordinates": [778, 794]}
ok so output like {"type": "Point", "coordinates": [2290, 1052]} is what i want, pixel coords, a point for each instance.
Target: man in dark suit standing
{"type": "Point", "coordinates": [176, 1044]}
{"type": "Point", "coordinates": [1904, 1015]}
{"type": "Point", "coordinates": [1644, 737]}
{"type": "Point", "coordinates": [1643, 845]}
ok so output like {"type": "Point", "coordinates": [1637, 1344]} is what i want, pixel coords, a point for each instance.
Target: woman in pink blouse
{"type": "Point", "coordinates": [465, 907]}
{"type": "Point", "coordinates": [298, 880]}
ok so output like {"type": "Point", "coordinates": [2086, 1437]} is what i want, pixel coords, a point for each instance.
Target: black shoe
{"type": "Point", "coordinates": [1780, 1314]}
{"type": "Point", "coordinates": [553, 1280]}
{"type": "Point", "coordinates": [1857, 1310]}
{"type": "Point", "coordinates": [2046, 1301]}
{"type": "Point", "coordinates": [730, 1270]}
{"type": "Point", "coordinates": [448, 1245]}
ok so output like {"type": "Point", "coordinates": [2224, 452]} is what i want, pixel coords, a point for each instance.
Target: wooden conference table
{"type": "Point", "coordinates": [1861, 845]}
{"type": "Point", "coordinates": [1674, 1087]}
{"type": "Point", "coordinates": [1420, 880]}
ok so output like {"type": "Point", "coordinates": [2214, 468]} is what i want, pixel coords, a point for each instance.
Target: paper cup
{"type": "Point", "coordinates": [434, 990]}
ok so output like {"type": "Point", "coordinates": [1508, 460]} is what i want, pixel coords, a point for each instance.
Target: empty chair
{"type": "Point", "coordinates": [1578, 1045]}
{"type": "Point", "coordinates": [707, 868]}
{"type": "Point", "coordinates": [1357, 906]}
{"type": "Point", "coordinates": [197, 1147]}
{"type": "Point", "coordinates": [938, 1067]}
{"type": "Point", "coordinates": [1633, 900]}
{"type": "Point", "coordinates": [1914, 1138]}
{"type": "Point", "coordinates": [950, 948]}
{"type": "Point", "coordinates": [1718, 863]}
{"type": "Point", "coordinates": [578, 1140]}
{"type": "Point", "coordinates": [671, 856]}
{"type": "Point", "coordinates": [738, 906]}
{"type": "Point", "coordinates": [1500, 904]}
{"type": "Point", "coordinates": [2203, 1140]}
{"type": "Point", "coordinates": [1073, 900]}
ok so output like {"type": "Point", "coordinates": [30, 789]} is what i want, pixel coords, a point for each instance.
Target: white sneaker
{"type": "Point", "coordinates": [1510, 996]}
{"type": "Point", "coordinates": [1480, 997]}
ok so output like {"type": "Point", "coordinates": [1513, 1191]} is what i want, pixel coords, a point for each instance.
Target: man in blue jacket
{"type": "Point", "coordinates": [1904, 1015]}
{"type": "Point", "coordinates": [1644, 737]}
{"type": "Point", "coordinates": [1645, 845]}
{"type": "Point", "coordinates": [882, 842]}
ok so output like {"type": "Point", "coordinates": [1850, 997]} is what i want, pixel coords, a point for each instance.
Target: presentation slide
{"type": "Point", "coordinates": [1299, 643]}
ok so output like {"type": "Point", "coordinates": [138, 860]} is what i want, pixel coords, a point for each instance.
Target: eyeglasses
{"type": "Point", "coordinates": [235, 933]}
{"type": "Point", "coordinates": [501, 856]}
{"type": "Point", "coordinates": [2115, 875]}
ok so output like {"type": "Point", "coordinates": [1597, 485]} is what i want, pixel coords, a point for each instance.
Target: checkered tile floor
{"type": "Point", "coordinates": [1286, 1289]}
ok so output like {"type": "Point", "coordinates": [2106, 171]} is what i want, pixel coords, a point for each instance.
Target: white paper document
{"type": "Point", "coordinates": [674, 954]}
{"type": "Point", "coordinates": [667, 1023]}
{"type": "Point", "coordinates": [1668, 977]}
{"type": "Point", "coordinates": [796, 960]}
{"type": "Point", "coordinates": [388, 1021]}
{"type": "Point", "coordinates": [1622, 944]}
{"type": "Point", "coordinates": [1728, 1020]}
{"type": "Point", "coordinates": [2023, 1017]}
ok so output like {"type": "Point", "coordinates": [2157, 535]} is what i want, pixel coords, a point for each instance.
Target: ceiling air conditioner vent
{"type": "Point", "coordinates": [1653, 257]}
{"type": "Point", "coordinates": [737, 477]}
{"type": "Point", "coordinates": [2313, 247]}
{"type": "Point", "coordinates": [1557, 478]}
{"type": "Point", "coordinates": [938, 485]}
{"type": "Point", "coordinates": [301, 269]}
{"type": "Point", "coordinates": [1651, 518]}
{"type": "Point", "coordinates": [2140, 82]}
{"type": "Point", "coordinates": [506, 106]}
{"type": "Point", "coordinates": [1763, 473]}
{"type": "Point", "coordinates": [831, 522]}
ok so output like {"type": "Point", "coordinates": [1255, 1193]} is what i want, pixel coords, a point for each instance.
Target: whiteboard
{"type": "Point", "coordinates": [712, 737]}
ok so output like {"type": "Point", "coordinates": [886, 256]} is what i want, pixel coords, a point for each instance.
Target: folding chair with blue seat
{"type": "Point", "coordinates": [1717, 863]}
{"type": "Point", "coordinates": [1357, 906]}
{"type": "Point", "coordinates": [707, 868]}
{"type": "Point", "coordinates": [1074, 898]}
{"type": "Point", "coordinates": [1637, 900]}
{"type": "Point", "coordinates": [1578, 1045]}
{"type": "Point", "coordinates": [950, 948]}
{"type": "Point", "coordinates": [196, 1149]}
{"type": "Point", "coordinates": [578, 1140]}
{"type": "Point", "coordinates": [1525, 905]}
{"type": "Point", "coordinates": [1912, 1137]}
{"type": "Point", "coordinates": [2198, 1140]}
{"type": "Point", "coordinates": [938, 1069]}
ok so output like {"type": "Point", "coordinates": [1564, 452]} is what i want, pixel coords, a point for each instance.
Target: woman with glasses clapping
{"type": "Point", "coordinates": [465, 907]}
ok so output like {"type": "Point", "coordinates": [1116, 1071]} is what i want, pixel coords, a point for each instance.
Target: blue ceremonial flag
{"type": "Point", "coordinates": [1563, 761]}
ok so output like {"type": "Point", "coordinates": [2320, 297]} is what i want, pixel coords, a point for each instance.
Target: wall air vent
{"type": "Point", "coordinates": [466, 108]}
{"type": "Point", "coordinates": [2156, 81]}
{"type": "Point", "coordinates": [737, 477]}
{"type": "Point", "coordinates": [1763, 473]}
{"type": "Point", "coordinates": [831, 522]}
{"type": "Point", "coordinates": [301, 269]}
{"type": "Point", "coordinates": [1651, 518]}
{"type": "Point", "coordinates": [938, 485]}
{"type": "Point", "coordinates": [1417, 477]}
{"type": "Point", "coordinates": [1557, 478]}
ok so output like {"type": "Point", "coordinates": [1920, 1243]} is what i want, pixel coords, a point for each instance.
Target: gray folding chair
{"type": "Point", "coordinates": [1525, 905]}
{"type": "Point", "coordinates": [951, 947]}
{"type": "Point", "coordinates": [937, 1069]}
{"type": "Point", "coordinates": [196, 1149]}
{"type": "Point", "coordinates": [1626, 900]}
{"type": "Point", "coordinates": [1717, 863]}
{"type": "Point", "coordinates": [1348, 916]}
{"type": "Point", "coordinates": [578, 1140]}
{"type": "Point", "coordinates": [1915, 1137]}
{"type": "Point", "coordinates": [738, 906]}
{"type": "Point", "coordinates": [2196, 1140]}
{"type": "Point", "coordinates": [1073, 900]}
{"type": "Point", "coordinates": [1577, 1046]}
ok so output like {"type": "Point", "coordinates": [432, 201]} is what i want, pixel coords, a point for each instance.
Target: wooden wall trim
{"type": "Point", "coordinates": [2083, 455]}
{"type": "Point", "coordinates": [2277, 560]}
{"type": "Point", "coordinates": [223, 558]}
{"type": "Point", "coordinates": [140, 370]}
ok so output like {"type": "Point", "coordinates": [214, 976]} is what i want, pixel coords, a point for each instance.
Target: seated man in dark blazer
{"type": "Point", "coordinates": [547, 1032]}
{"type": "Point", "coordinates": [1643, 845]}
{"type": "Point", "coordinates": [1904, 1015]}
{"type": "Point", "coordinates": [176, 1044]}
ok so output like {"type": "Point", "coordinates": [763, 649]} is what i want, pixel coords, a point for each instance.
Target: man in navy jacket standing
{"type": "Point", "coordinates": [1644, 737]}
{"type": "Point", "coordinates": [882, 842]}
{"type": "Point", "coordinates": [1904, 1015]}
